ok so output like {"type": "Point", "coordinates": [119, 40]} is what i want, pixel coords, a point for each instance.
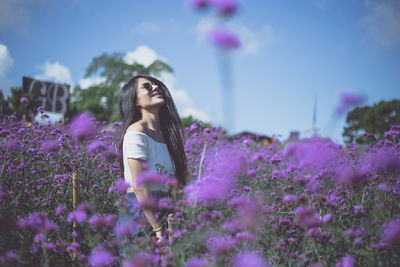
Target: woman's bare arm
{"type": "Point", "coordinates": [142, 193]}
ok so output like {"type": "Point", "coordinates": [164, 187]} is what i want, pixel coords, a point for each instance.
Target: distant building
{"type": "Point", "coordinates": [294, 136]}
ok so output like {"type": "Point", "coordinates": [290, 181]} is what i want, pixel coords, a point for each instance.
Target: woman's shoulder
{"type": "Point", "coordinates": [136, 132]}
{"type": "Point", "coordinates": [136, 127]}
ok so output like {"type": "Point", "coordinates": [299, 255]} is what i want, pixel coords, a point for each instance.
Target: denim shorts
{"type": "Point", "coordinates": [132, 225]}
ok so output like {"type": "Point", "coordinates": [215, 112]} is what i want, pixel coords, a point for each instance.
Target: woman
{"type": "Point", "coordinates": [152, 133]}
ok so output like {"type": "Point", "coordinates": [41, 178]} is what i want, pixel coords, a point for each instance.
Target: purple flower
{"type": "Point", "coordinates": [327, 218]}
{"type": "Point", "coordinates": [11, 256]}
{"type": "Point", "coordinates": [39, 222]}
{"type": "Point", "coordinates": [79, 216]}
{"type": "Point", "coordinates": [383, 160]}
{"type": "Point", "coordinates": [384, 187]}
{"type": "Point", "coordinates": [354, 232]}
{"type": "Point", "coordinates": [110, 153]}
{"type": "Point", "coordinates": [358, 210]}
{"type": "Point", "coordinates": [223, 39]}
{"type": "Point", "coordinates": [120, 186]}
{"type": "Point", "coordinates": [60, 209]}
{"type": "Point", "coordinates": [124, 229]}
{"type": "Point", "coordinates": [14, 145]}
{"type": "Point", "coordinates": [82, 127]}
{"type": "Point", "coordinates": [209, 189]}
{"type": "Point", "coordinates": [351, 175]}
{"type": "Point", "coordinates": [248, 259]}
{"type": "Point", "coordinates": [96, 146]}
{"type": "Point", "coordinates": [219, 245]}
{"type": "Point", "coordinates": [248, 210]}
{"type": "Point", "coordinates": [275, 160]}
{"type": "Point", "coordinates": [24, 100]}
{"type": "Point", "coordinates": [348, 100]}
{"type": "Point", "coordinates": [391, 232]}
{"type": "Point", "coordinates": [142, 259]}
{"type": "Point", "coordinates": [225, 7]}
{"type": "Point", "coordinates": [199, 4]}
{"type": "Point", "coordinates": [165, 203]}
{"type": "Point", "coordinates": [49, 245]}
{"type": "Point", "coordinates": [197, 262]}
{"type": "Point", "coordinates": [38, 238]}
{"type": "Point", "coordinates": [346, 261]}
{"type": "Point", "coordinates": [193, 127]}
{"type": "Point", "coordinates": [314, 154]}
{"type": "Point", "coordinates": [289, 198]}
{"type": "Point", "coordinates": [246, 236]}
{"type": "Point", "coordinates": [149, 178]}
{"type": "Point", "coordinates": [49, 146]}
{"type": "Point", "coordinates": [308, 217]}
{"type": "Point", "coordinates": [232, 226]}
{"type": "Point", "coordinates": [100, 256]}
{"type": "Point", "coordinates": [102, 223]}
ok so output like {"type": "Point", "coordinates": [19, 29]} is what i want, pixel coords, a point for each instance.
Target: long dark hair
{"type": "Point", "coordinates": [170, 123]}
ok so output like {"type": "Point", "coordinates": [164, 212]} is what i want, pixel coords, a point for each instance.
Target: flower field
{"type": "Point", "coordinates": [309, 203]}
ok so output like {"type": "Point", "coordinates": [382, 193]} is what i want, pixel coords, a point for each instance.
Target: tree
{"type": "Point", "coordinates": [13, 103]}
{"type": "Point", "coordinates": [189, 120]}
{"type": "Point", "coordinates": [102, 99]}
{"type": "Point", "coordinates": [376, 120]}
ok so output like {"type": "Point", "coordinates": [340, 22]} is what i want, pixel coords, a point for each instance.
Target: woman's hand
{"type": "Point", "coordinates": [159, 234]}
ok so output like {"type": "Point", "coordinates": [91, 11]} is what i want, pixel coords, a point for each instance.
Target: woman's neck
{"type": "Point", "coordinates": [151, 119]}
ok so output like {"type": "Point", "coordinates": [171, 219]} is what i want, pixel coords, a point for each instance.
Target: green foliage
{"type": "Point", "coordinates": [376, 120]}
{"type": "Point", "coordinates": [4, 105]}
{"type": "Point", "coordinates": [189, 120]}
{"type": "Point", "coordinates": [102, 99]}
{"type": "Point", "coordinates": [13, 103]}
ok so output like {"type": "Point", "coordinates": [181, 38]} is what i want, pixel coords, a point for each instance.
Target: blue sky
{"type": "Point", "coordinates": [291, 52]}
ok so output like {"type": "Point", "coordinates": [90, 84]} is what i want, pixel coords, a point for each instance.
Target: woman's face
{"type": "Point", "coordinates": [148, 94]}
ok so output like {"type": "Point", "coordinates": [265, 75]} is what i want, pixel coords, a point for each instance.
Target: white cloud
{"type": "Point", "coordinates": [252, 41]}
{"type": "Point", "coordinates": [54, 72]}
{"type": "Point", "coordinates": [197, 113]}
{"type": "Point", "coordinates": [143, 55]}
{"type": "Point", "coordinates": [87, 82]}
{"type": "Point", "coordinates": [383, 21]}
{"type": "Point", "coordinates": [6, 62]}
{"type": "Point", "coordinates": [184, 103]}
{"type": "Point", "coordinates": [203, 27]}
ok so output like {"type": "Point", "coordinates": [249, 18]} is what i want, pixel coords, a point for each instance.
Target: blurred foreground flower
{"type": "Point", "coordinates": [100, 256]}
{"type": "Point", "coordinates": [348, 100]}
{"type": "Point", "coordinates": [49, 146]}
{"type": "Point", "coordinates": [225, 7]}
{"type": "Point", "coordinates": [391, 233]}
{"type": "Point", "coordinates": [346, 261]}
{"type": "Point", "coordinates": [249, 259]}
{"type": "Point", "coordinates": [199, 4]}
{"type": "Point", "coordinates": [223, 38]}
{"type": "Point", "coordinates": [39, 222]}
{"type": "Point", "coordinates": [82, 127]}
{"type": "Point", "coordinates": [96, 146]}
{"type": "Point", "coordinates": [142, 259]}
{"type": "Point", "coordinates": [151, 179]}
{"type": "Point", "coordinates": [308, 217]}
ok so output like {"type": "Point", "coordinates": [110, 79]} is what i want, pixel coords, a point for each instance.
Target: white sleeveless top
{"type": "Point", "coordinates": [139, 145]}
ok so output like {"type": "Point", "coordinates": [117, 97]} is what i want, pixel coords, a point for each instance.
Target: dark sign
{"type": "Point", "coordinates": [54, 97]}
